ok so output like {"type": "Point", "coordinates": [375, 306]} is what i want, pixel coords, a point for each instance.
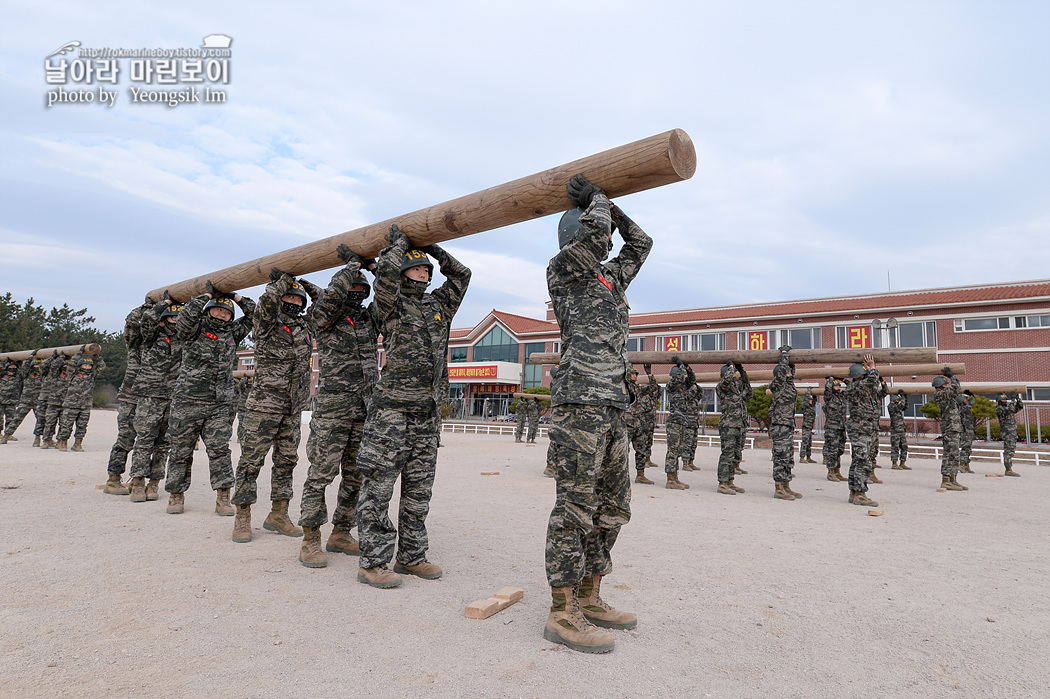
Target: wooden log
{"type": "Point", "coordinates": [244, 373]}
{"type": "Point", "coordinates": [651, 162]}
{"type": "Point", "coordinates": [911, 355]}
{"type": "Point", "coordinates": [503, 598]}
{"type": "Point", "coordinates": [68, 350]}
{"type": "Point", "coordinates": [533, 395]}
{"type": "Point", "coordinates": [763, 375]}
{"type": "Point", "coordinates": [917, 389]}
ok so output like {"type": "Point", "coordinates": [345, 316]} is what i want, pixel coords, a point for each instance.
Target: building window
{"type": "Point", "coordinates": [914, 335]}
{"type": "Point", "coordinates": [556, 347]}
{"type": "Point", "coordinates": [705, 342]}
{"type": "Point", "coordinates": [971, 324]}
{"type": "Point", "coordinates": [800, 338]}
{"type": "Point", "coordinates": [496, 346]}
{"type": "Point", "coordinates": [1032, 322]}
{"type": "Point", "coordinates": [533, 375]}
{"type": "Point", "coordinates": [635, 344]}
{"type": "Point", "coordinates": [457, 354]}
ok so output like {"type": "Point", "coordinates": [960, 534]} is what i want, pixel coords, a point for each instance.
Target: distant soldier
{"type": "Point", "coordinates": [10, 392]}
{"type": "Point", "coordinates": [947, 390]}
{"type": "Point", "coordinates": [898, 435]}
{"type": "Point", "coordinates": [640, 419]}
{"type": "Point", "coordinates": [532, 411]}
{"type": "Point", "coordinates": [1006, 408]}
{"type": "Point", "coordinates": [734, 391]}
{"type": "Point", "coordinates": [864, 402]}
{"type": "Point", "coordinates": [520, 417]}
{"type": "Point", "coordinates": [876, 425]}
{"type": "Point", "coordinates": [835, 406]}
{"type": "Point", "coordinates": [683, 397]}
{"type": "Point", "coordinates": [966, 401]}
{"type": "Point", "coordinates": [126, 402]}
{"type": "Point", "coordinates": [809, 418]}
{"type": "Point", "coordinates": [32, 373]}
{"type": "Point", "coordinates": [782, 425]}
{"type": "Point", "coordinates": [58, 385]}
{"type": "Point", "coordinates": [80, 395]}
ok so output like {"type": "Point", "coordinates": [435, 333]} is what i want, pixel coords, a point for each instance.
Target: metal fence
{"type": "Point", "coordinates": [935, 451]}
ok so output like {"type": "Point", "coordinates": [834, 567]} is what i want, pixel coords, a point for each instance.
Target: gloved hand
{"type": "Point", "coordinates": [84, 347]}
{"type": "Point", "coordinates": [1013, 395]}
{"type": "Point", "coordinates": [346, 254]}
{"type": "Point", "coordinates": [396, 236]}
{"type": "Point", "coordinates": [167, 298]}
{"type": "Point", "coordinates": [784, 349]}
{"type": "Point", "coordinates": [648, 368]}
{"type": "Point", "coordinates": [369, 264]}
{"type": "Point", "coordinates": [947, 371]}
{"type": "Point", "coordinates": [676, 360]}
{"type": "Point", "coordinates": [581, 191]}
{"type": "Point", "coordinates": [33, 353]}
{"type": "Point", "coordinates": [739, 367]}
{"type": "Point", "coordinates": [209, 289]}
{"type": "Point", "coordinates": [275, 274]}
{"type": "Point", "coordinates": [434, 250]}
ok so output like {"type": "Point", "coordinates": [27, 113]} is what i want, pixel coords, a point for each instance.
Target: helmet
{"type": "Point", "coordinates": [633, 370]}
{"type": "Point", "coordinates": [726, 370]}
{"type": "Point", "coordinates": [360, 278]}
{"type": "Point", "coordinates": [939, 381]}
{"type": "Point", "coordinates": [1003, 397]}
{"type": "Point", "coordinates": [900, 391]}
{"type": "Point", "coordinates": [961, 400]}
{"type": "Point", "coordinates": [677, 371]}
{"type": "Point", "coordinates": [220, 302]}
{"type": "Point", "coordinates": [171, 310]}
{"type": "Point", "coordinates": [779, 370]}
{"type": "Point", "coordinates": [857, 371]}
{"type": "Point", "coordinates": [86, 360]}
{"type": "Point", "coordinates": [296, 289]}
{"type": "Point", "coordinates": [569, 226]}
{"type": "Point", "coordinates": [414, 257]}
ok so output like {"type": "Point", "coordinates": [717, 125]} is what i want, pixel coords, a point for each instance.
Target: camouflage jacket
{"type": "Point", "coordinates": [835, 404]}
{"type": "Point", "coordinates": [57, 383]}
{"type": "Point", "coordinates": [522, 411]}
{"type": "Point", "coordinates": [898, 404]}
{"type": "Point", "coordinates": [785, 396]}
{"type": "Point", "coordinates": [1006, 414]}
{"type": "Point", "coordinates": [347, 335]}
{"type": "Point", "coordinates": [415, 327]}
{"type": "Point", "coordinates": [865, 397]}
{"type": "Point", "coordinates": [32, 380]}
{"type": "Point", "coordinates": [683, 397]}
{"type": "Point", "coordinates": [244, 389]}
{"type": "Point", "coordinates": [80, 391]}
{"type": "Point", "coordinates": [11, 382]}
{"type": "Point", "coordinates": [591, 307]}
{"type": "Point", "coordinates": [161, 355]}
{"type": "Point", "coordinates": [283, 347]}
{"type": "Point", "coordinates": [966, 416]}
{"type": "Point", "coordinates": [532, 409]}
{"type": "Point", "coordinates": [945, 399]}
{"type": "Point", "coordinates": [809, 411]}
{"type": "Point", "coordinates": [133, 342]}
{"type": "Point", "coordinates": [646, 401]}
{"type": "Point", "coordinates": [733, 395]}
{"type": "Point", "coordinates": [209, 353]}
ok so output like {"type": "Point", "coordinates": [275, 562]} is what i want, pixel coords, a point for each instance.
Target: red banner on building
{"type": "Point", "coordinates": [757, 340]}
{"type": "Point", "coordinates": [493, 388]}
{"type": "Point", "coordinates": [471, 372]}
{"type": "Point", "coordinates": [858, 337]}
{"type": "Point", "coordinates": [673, 344]}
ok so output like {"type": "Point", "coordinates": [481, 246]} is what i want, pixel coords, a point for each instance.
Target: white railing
{"type": "Point", "coordinates": [935, 451]}
{"type": "Point", "coordinates": [702, 440]}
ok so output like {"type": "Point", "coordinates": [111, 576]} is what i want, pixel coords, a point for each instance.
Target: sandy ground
{"type": "Point", "coordinates": [745, 596]}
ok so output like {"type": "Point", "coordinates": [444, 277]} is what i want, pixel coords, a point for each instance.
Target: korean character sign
{"type": "Point", "coordinates": [858, 337]}
{"type": "Point", "coordinates": [757, 340]}
{"type": "Point", "coordinates": [673, 344]}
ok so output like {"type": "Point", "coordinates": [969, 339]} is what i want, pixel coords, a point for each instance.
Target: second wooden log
{"type": "Point", "coordinates": [905, 355]}
{"type": "Point", "coordinates": [68, 350]}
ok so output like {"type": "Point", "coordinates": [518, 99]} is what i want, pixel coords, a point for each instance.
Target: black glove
{"type": "Point", "coordinates": [33, 353]}
{"type": "Point", "coordinates": [648, 368]}
{"type": "Point", "coordinates": [947, 371]}
{"type": "Point", "coordinates": [1013, 395]}
{"type": "Point", "coordinates": [210, 289]}
{"type": "Point", "coordinates": [396, 235]}
{"type": "Point", "coordinates": [346, 254]}
{"type": "Point", "coordinates": [168, 298]}
{"type": "Point", "coordinates": [739, 367]}
{"type": "Point", "coordinates": [369, 264]}
{"type": "Point", "coordinates": [676, 360]}
{"type": "Point", "coordinates": [433, 250]}
{"type": "Point", "coordinates": [275, 274]}
{"type": "Point", "coordinates": [784, 349]}
{"type": "Point", "coordinates": [84, 347]}
{"type": "Point", "coordinates": [581, 191]}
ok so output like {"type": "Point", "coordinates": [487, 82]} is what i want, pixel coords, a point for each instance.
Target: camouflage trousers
{"type": "Point", "coordinates": [899, 446]}
{"type": "Point", "coordinates": [966, 447]}
{"type": "Point", "coordinates": [118, 455]}
{"type": "Point", "coordinates": [70, 416]}
{"type": "Point", "coordinates": [151, 438]}
{"type": "Point", "coordinates": [834, 444]}
{"type": "Point", "coordinates": [588, 453]}
{"type": "Point", "coordinates": [259, 431]}
{"type": "Point", "coordinates": [7, 415]}
{"type": "Point", "coordinates": [805, 449]}
{"type": "Point", "coordinates": [20, 414]}
{"type": "Point", "coordinates": [534, 427]}
{"type": "Point", "coordinates": [950, 458]}
{"type": "Point", "coordinates": [860, 456]}
{"type": "Point", "coordinates": [519, 429]}
{"type": "Point", "coordinates": [332, 449]}
{"type": "Point", "coordinates": [188, 422]}
{"type": "Point", "coordinates": [783, 437]}
{"type": "Point", "coordinates": [396, 444]}
{"type": "Point", "coordinates": [732, 443]}
{"type": "Point", "coordinates": [1009, 445]}
{"type": "Point", "coordinates": [641, 437]}
{"type": "Point", "coordinates": [51, 420]}
{"type": "Point", "coordinates": [681, 443]}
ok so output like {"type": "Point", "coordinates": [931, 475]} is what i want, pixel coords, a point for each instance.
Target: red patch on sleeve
{"type": "Point", "coordinates": [603, 281]}
{"type": "Point", "coordinates": [350, 320]}
{"type": "Point", "coordinates": [288, 330]}
{"type": "Point", "coordinates": [168, 340]}
{"type": "Point", "coordinates": [213, 337]}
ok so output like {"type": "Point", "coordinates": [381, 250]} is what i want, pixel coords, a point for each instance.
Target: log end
{"type": "Point", "coordinates": [682, 153]}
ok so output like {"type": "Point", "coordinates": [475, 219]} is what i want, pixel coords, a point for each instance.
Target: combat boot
{"type": "Point", "coordinates": [3, 439]}
{"type": "Point", "coordinates": [789, 491]}
{"type": "Point", "coordinates": [809, 460]}
{"type": "Point", "coordinates": [48, 444]}
{"type": "Point", "coordinates": [36, 440]}
{"type": "Point", "coordinates": [948, 484]}
{"type": "Point", "coordinates": [114, 486]}
{"type": "Point", "coordinates": [872, 478]}
{"type": "Point", "coordinates": [894, 466]}
{"type": "Point", "coordinates": [310, 553]}
{"type": "Point", "coordinates": [904, 466]}
{"type": "Point", "coordinates": [138, 489]}
{"type": "Point", "coordinates": [567, 625]}
{"type": "Point", "coordinates": [838, 475]}
{"type": "Point", "coordinates": [176, 504]}
{"type": "Point", "coordinates": [12, 438]}
{"type": "Point", "coordinates": [689, 466]}
{"type": "Point", "coordinates": [78, 445]}
{"type": "Point", "coordinates": [380, 576]}
{"type": "Point", "coordinates": [517, 440]}
{"type": "Point", "coordinates": [964, 467]}
{"type": "Point", "coordinates": [737, 471]}
{"type": "Point", "coordinates": [674, 484]}
{"type": "Point", "coordinates": [735, 487]}
{"type": "Point", "coordinates": [831, 475]}
{"type": "Point", "coordinates": [957, 484]}
{"type": "Point", "coordinates": [278, 521]}
{"type": "Point", "coordinates": [725, 489]}
{"type": "Point", "coordinates": [242, 525]}
{"type": "Point", "coordinates": [548, 472]}
{"type": "Point", "coordinates": [598, 611]}
{"type": "Point", "coordinates": [857, 497]}
{"type": "Point", "coordinates": [640, 478]}
{"type": "Point", "coordinates": [153, 490]}
{"type": "Point", "coordinates": [425, 570]}
{"type": "Point", "coordinates": [340, 541]}
{"type": "Point", "coordinates": [63, 445]}
{"type": "Point", "coordinates": [781, 493]}
{"type": "Point", "coordinates": [223, 508]}
{"type": "Point", "coordinates": [1011, 472]}
{"type": "Point", "coordinates": [649, 463]}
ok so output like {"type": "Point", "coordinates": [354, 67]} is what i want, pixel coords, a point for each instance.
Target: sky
{"type": "Point", "coordinates": [843, 148]}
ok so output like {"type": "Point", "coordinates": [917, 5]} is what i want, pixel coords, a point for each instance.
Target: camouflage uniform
{"type": "Point", "coordinates": [32, 373]}
{"type": "Point", "coordinates": [809, 418]}
{"type": "Point", "coordinates": [50, 370]}
{"type": "Point", "coordinates": [951, 425]}
{"type": "Point", "coordinates": [733, 395]}
{"type": "Point", "coordinates": [589, 393]}
{"type": "Point", "coordinates": [401, 430]}
{"type": "Point", "coordinates": [1005, 413]}
{"type": "Point", "coordinates": [520, 418]}
{"type": "Point", "coordinates": [864, 403]}
{"type": "Point", "coordinates": [273, 413]}
{"type": "Point", "coordinates": [10, 392]}
{"type": "Point", "coordinates": [80, 395]}
{"type": "Point", "coordinates": [161, 357]}
{"type": "Point", "coordinates": [533, 413]}
{"type": "Point", "coordinates": [244, 390]}
{"type": "Point", "coordinates": [782, 420]}
{"type": "Point", "coordinates": [684, 397]}
{"type": "Point", "coordinates": [61, 373]}
{"type": "Point", "coordinates": [201, 399]}
{"type": "Point", "coordinates": [347, 353]}
{"type": "Point", "coordinates": [126, 399]}
{"type": "Point", "coordinates": [835, 404]}
{"type": "Point", "coordinates": [968, 428]}
{"type": "Point", "coordinates": [898, 434]}
{"type": "Point", "coordinates": [640, 419]}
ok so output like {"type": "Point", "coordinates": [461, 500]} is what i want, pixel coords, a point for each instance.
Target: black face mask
{"type": "Point", "coordinates": [411, 286]}
{"type": "Point", "coordinates": [292, 309]}
{"type": "Point", "coordinates": [216, 323]}
{"type": "Point", "coordinates": [356, 297]}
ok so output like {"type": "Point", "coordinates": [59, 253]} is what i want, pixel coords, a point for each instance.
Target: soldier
{"type": "Point", "coordinates": [161, 357]}
{"type": "Point", "coordinates": [347, 334]}
{"type": "Point", "coordinates": [126, 402]}
{"type": "Point", "coordinates": [401, 430]}
{"type": "Point", "coordinates": [683, 397]}
{"type": "Point", "coordinates": [532, 410]}
{"type": "Point", "coordinates": [947, 389]}
{"type": "Point", "coordinates": [782, 425]}
{"type": "Point", "coordinates": [49, 370]}
{"type": "Point", "coordinates": [1006, 407]}
{"type": "Point", "coordinates": [966, 418]}
{"type": "Point", "coordinates": [273, 413]}
{"type": "Point", "coordinates": [32, 373]}
{"type": "Point", "coordinates": [201, 399]}
{"type": "Point", "coordinates": [864, 398]}
{"type": "Point", "coordinates": [876, 416]}
{"type": "Point", "coordinates": [898, 435]}
{"type": "Point", "coordinates": [834, 427]}
{"type": "Point", "coordinates": [80, 395]}
{"type": "Point", "coordinates": [588, 440]}
{"type": "Point", "coordinates": [734, 391]}
{"type": "Point", "coordinates": [809, 418]}
{"type": "Point", "coordinates": [58, 385]}
{"type": "Point", "coordinates": [640, 420]}
{"type": "Point", "coordinates": [520, 417]}
{"type": "Point", "coordinates": [10, 392]}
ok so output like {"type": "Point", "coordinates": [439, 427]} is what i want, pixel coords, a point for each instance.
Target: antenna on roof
{"type": "Point", "coordinates": [888, 287]}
